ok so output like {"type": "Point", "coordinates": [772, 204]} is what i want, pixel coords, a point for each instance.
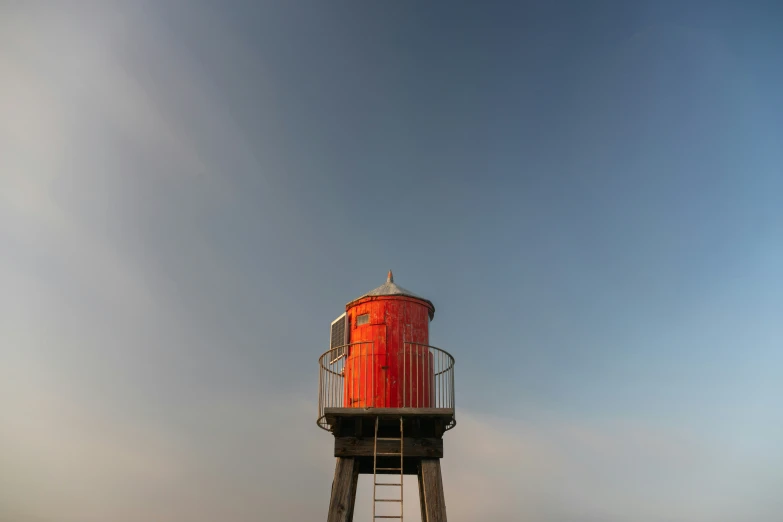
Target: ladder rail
{"type": "Point", "coordinates": [375, 466]}
{"type": "Point", "coordinates": [402, 490]}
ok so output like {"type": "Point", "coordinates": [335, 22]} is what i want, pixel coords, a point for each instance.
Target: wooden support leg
{"type": "Point", "coordinates": [433, 502]}
{"type": "Point", "coordinates": [421, 496]}
{"type": "Point", "coordinates": [346, 477]}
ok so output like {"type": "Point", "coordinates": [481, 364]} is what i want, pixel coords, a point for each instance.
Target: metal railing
{"type": "Point", "coordinates": [357, 375]}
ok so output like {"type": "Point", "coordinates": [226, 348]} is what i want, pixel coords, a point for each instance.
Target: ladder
{"type": "Point", "coordinates": [395, 486]}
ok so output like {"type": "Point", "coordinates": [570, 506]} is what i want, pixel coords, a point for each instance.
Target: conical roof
{"type": "Point", "coordinates": [391, 288]}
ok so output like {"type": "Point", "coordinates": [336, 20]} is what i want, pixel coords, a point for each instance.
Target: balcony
{"type": "Point", "coordinates": [362, 379]}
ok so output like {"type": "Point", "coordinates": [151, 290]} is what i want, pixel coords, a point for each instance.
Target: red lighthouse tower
{"type": "Point", "coordinates": [390, 326]}
{"type": "Point", "coordinates": [387, 396]}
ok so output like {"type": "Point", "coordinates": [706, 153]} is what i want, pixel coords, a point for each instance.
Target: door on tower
{"type": "Point", "coordinates": [366, 383]}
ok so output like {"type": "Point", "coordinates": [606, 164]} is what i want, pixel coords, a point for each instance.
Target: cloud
{"type": "Point", "coordinates": [64, 460]}
{"type": "Point", "coordinates": [239, 456]}
{"type": "Point", "coordinates": [70, 461]}
{"type": "Point", "coordinates": [566, 468]}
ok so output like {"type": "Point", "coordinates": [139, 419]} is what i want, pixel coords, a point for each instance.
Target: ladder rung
{"type": "Point", "coordinates": [376, 469]}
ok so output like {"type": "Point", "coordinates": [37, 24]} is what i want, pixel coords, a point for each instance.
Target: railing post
{"type": "Point", "coordinates": [437, 392]}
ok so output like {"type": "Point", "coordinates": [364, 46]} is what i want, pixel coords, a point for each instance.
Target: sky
{"type": "Point", "coordinates": [591, 195]}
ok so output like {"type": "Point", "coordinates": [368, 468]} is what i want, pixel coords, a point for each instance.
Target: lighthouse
{"type": "Point", "coordinates": [387, 397]}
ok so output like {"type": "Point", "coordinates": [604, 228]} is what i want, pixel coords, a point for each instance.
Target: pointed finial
{"type": "Point", "coordinates": [390, 277]}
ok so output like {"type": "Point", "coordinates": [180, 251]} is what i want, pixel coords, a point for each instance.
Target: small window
{"type": "Point", "coordinates": [362, 319]}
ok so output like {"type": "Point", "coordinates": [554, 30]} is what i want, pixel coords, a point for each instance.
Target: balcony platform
{"type": "Point", "coordinates": [439, 413]}
{"type": "Point", "coordinates": [357, 421]}
{"type": "Point", "coordinates": [354, 434]}
{"type": "Point", "coordinates": [334, 393]}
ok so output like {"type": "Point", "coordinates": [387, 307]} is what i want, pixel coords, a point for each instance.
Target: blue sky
{"type": "Point", "coordinates": [592, 196]}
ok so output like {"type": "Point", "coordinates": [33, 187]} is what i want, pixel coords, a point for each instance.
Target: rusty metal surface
{"type": "Point", "coordinates": [392, 320]}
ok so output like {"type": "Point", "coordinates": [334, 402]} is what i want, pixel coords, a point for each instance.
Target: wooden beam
{"type": "Point", "coordinates": [409, 466]}
{"type": "Point", "coordinates": [411, 447]}
{"type": "Point", "coordinates": [431, 491]}
{"type": "Point", "coordinates": [345, 421]}
{"type": "Point", "coordinates": [346, 476]}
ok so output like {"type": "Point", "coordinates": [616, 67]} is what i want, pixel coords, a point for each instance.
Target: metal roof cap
{"type": "Point", "coordinates": [390, 288]}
